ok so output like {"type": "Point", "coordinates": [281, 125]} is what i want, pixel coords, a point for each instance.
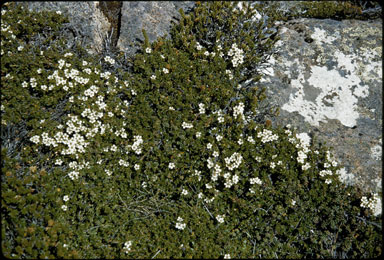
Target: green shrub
{"type": "Point", "coordinates": [169, 160]}
{"type": "Point", "coordinates": [337, 10]}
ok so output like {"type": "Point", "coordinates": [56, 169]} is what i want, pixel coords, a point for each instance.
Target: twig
{"type": "Point", "coordinates": [156, 253]}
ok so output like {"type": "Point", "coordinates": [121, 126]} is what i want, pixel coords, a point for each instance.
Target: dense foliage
{"type": "Point", "coordinates": [168, 160]}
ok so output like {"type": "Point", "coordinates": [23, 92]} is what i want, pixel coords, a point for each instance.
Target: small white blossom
{"type": "Point", "coordinates": [165, 71]}
{"type": "Point", "coordinates": [148, 50]}
{"type": "Point", "coordinates": [171, 166]}
{"type": "Point", "coordinates": [220, 218]}
{"type": "Point", "coordinates": [64, 207]}
{"type": "Point", "coordinates": [66, 198]}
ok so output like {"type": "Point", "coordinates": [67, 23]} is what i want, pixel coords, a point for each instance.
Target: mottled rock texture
{"type": "Point", "coordinates": [327, 81]}
{"type": "Point", "coordinates": [155, 17]}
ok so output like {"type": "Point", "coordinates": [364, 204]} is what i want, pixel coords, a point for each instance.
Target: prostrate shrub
{"type": "Point", "coordinates": [170, 160]}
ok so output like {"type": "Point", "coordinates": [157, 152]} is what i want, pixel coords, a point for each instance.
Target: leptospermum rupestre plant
{"type": "Point", "coordinates": [169, 160]}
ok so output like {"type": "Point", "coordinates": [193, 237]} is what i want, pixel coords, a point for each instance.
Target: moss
{"type": "Point", "coordinates": [170, 159]}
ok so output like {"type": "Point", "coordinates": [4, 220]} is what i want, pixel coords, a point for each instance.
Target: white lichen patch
{"type": "Point", "coordinates": [338, 96]}
{"type": "Point", "coordinates": [337, 99]}
{"type": "Point", "coordinates": [321, 36]}
{"type": "Point", "coordinates": [376, 152]}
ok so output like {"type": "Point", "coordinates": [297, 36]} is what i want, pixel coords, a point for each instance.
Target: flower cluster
{"type": "Point", "coordinates": [179, 224]}
{"type": "Point", "coordinates": [109, 60]}
{"type": "Point", "coordinates": [201, 108]}
{"type": "Point", "coordinates": [236, 54]}
{"type": "Point", "coordinates": [267, 136]}
{"type": "Point", "coordinates": [233, 161]}
{"type": "Point", "coordinates": [127, 246]}
{"type": "Point", "coordinates": [136, 146]}
{"type": "Point", "coordinates": [185, 125]}
{"type": "Point", "coordinates": [238, 111]}
{"type": "Point", "coordinates": [220, 218]}
{"type": "Point", "coordinates": [373, 203]}
{"type": "Point", "coordinates": [230, 180]}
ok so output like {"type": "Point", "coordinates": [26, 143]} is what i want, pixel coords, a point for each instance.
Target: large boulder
{"type": "Point", "coordinates": [87, 23]}
{"type": "Point", "coordinates": [153, 16]}
{"type": "Point", "coordinates": [327, 81]}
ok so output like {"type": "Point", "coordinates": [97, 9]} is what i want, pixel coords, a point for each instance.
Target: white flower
{"type": "Point", "coordinates": [148, 50]}
{"type": "Point", "coordinates": [215, 154]}
{"type": "Point", "coordinates": [64, 207]}
{"type": "Point", "coordinates": [198, 46]}
{"type": "Point", "coordinates": [186, 125]}
{"type": "Point", "coordinates": [35, 139]}
{"type": "Point", "coordinates": [209, 146]}
{"type": "Point", "coordinates": [172, 108]}
{"type": "Point", "coordinates": [20, 48]}
{"type": "Point", "coordinates": [227, 256]}
{"type": "Point", "coordinates": [165, 70]}
{"type": "Point", "coordinates": [171, 166]}
{"type": "Point", "coordinates": [108, 172]}
{"type": "Point", "coordinates": [58, 12]}
{"type": "Point", "coordinates": [328, 181]}
{"type": "Point", "coordinates": [206, 53]}
{"type": "Point", "coordinates": [219, 138]}
{"type": "Point", "coordinates": [66, 198]}
{"type": "Point", "coordinates": [198, 134]}
{"type": "Point", "coordinates": [180, 226]}
{"type": "Point", "coordinates": [109, 60]}
{"type": "Point", "coordinates": [233, 161]}
{"type": "Point", "coordinates": [127, 246]}
{"type": "Point", "coordinates": [255, 180]}
{"type": "Point", "coordinates": [273, 165]}
{"type": "Point", "coordinates": [220, 218]}
{"type": "Point", "coordinates": [137, 167]}
{"type": "Point", "coordinates": [184, 192]}
{"type": "Point", "coordinates": [153, 77]}
{"type": "Point", "coordinates": [201, 108]}
{"type": "Point", "coordinates": [267, 136]}
{"type": "Point", "coordinates": [58, 162]}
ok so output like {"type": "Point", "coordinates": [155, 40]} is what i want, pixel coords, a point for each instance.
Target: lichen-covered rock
{"type": "Point", "coordinates": [87, 24]}
{"type": "Point", "coordinates": [155, 17]}
{"type": "Point", "coordinates": [327, 80]}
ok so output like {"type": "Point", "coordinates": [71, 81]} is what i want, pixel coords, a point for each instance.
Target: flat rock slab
{"type": "Point", "coordinates": [327, 81]}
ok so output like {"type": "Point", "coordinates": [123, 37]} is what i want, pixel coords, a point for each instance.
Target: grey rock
{"type": "Point", "coordinates": [86, 21]}
{"type": "Point", "coordinates": [155, 17]}
{"type": "Point", "coordinates": [327, 81]}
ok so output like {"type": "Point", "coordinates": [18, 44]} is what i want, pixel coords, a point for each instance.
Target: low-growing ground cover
{"type": "Point", "coordinates": [171, 159]}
